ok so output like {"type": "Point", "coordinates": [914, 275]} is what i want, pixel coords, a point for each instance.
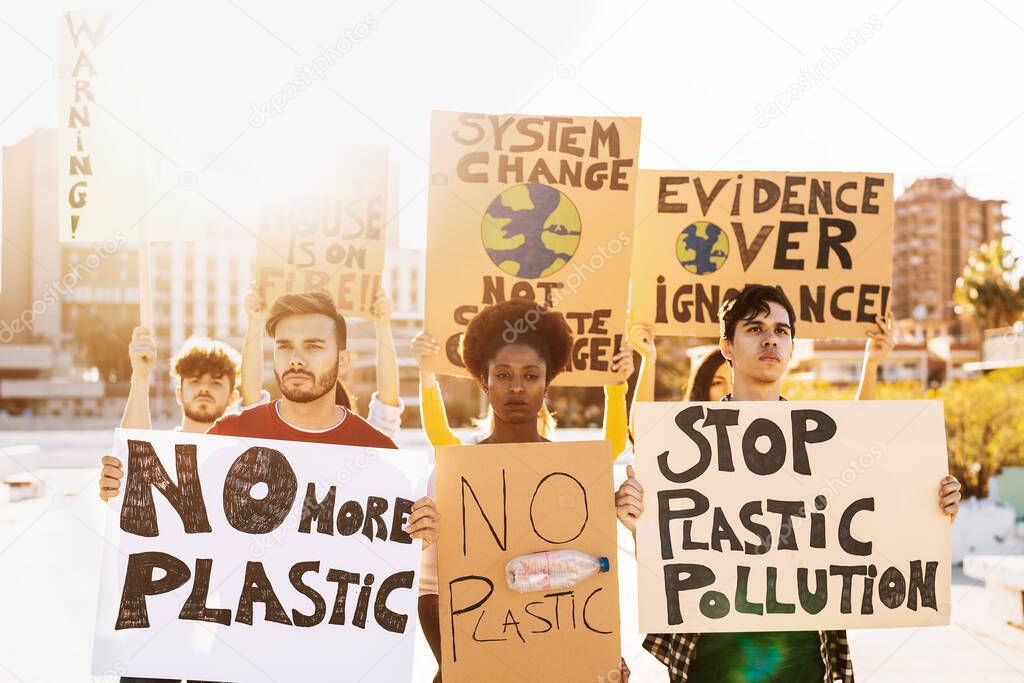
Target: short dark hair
{"type": "Point", "coordinates": [201, 355]}
{"type": "Point", "coordinates": [307, 302]}
{"type": "Point", "coordinates": [752, 300]}
{"type": "Point", "coordinates": [516, 321]}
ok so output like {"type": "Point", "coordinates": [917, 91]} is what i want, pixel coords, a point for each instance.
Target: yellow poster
{"type": "Point", "coordinates": [791, 516]}
{"type": "Point", "coordinates": [535, 207]}
{"type": "Point", "coordinates": [501, 618]}
{"type": "Point", "coordinates": [332, 238]}
{"type": "Point", "coordinates": [825, 238]}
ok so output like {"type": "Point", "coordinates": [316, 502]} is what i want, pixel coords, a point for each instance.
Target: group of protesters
{"type": "Point", "coordinates": [221, 392]}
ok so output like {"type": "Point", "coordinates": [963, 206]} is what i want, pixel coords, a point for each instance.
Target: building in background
{"type": "Point", "coordinates": [1002, 348]}
{"type": "Point", "coordinates": [67, 310]}
{"type": "Point", "coordinates": [64, 309]}
{"type": "Point", "coordinates": [937, 226]}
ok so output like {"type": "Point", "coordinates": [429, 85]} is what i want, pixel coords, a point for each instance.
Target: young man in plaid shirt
{"type": "Point", "coordinates": [756, 338]}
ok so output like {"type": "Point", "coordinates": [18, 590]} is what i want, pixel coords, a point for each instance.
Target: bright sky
{"type": "Point", "coordinates": [926, 88]}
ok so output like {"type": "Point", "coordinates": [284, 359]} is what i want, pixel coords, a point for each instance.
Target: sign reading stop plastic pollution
{"type": "Point", "coordinates": [533, 207]}
{"type": "Point", "coordinates": [332, 237]}
{"type": "Point", "coordinates": [234, 559]}
{"type": "Point", "coordinates": [502, 504]}
{"type": "Point", "coordinates": [825, 238]}
{"type": "Point", "coordinates": [783, 516]}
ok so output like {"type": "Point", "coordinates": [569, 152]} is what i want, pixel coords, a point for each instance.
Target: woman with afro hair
{"type": "Point", "coordinates": [514, 350]}
{"type": "Point", "coordinates": [435, 420]}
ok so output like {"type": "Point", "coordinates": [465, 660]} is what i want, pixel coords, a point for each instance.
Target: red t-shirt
{"type": "Point", "coordinates": [264, 422]}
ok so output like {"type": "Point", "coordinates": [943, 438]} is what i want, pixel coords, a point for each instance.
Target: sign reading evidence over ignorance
{"type": "Point", "coordinates": [235, 559]}
{"type": "Point", "coordinates": [780, 516]}
{"type": "Point", "coordinates": [503, 501]}
{"type": "Point", "coordinates": [825, 238]}
{"type": "Point", "coordinates": [535, 207]}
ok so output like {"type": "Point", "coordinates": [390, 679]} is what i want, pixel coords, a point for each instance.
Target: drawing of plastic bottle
{"type": "Point", "coordinates": [552, 570]}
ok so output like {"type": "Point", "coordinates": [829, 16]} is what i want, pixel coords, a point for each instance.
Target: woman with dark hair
{"type": "Point", "coordinates": [710, 379]}
{"type": "Point", "coordinates": [514, 373]}
{"type": "Point", "coordinates": [435, 420]}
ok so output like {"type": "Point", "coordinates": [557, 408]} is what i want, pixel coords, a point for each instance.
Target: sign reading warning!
{"type": "Point", "coordinates": [534, 207]}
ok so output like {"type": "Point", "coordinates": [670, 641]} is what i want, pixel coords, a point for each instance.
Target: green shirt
{"type": "Point", "coordinates": [761, 657]}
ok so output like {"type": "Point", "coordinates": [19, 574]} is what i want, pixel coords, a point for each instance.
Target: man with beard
{"type": "Point", "coordinates": [205, 374]}
{"type": "Point", "coordinates": [309, 354]}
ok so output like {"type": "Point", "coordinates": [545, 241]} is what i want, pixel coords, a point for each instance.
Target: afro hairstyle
{"type": "Point", "coordinates": [516, 321]}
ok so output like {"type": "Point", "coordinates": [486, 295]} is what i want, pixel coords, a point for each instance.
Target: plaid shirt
{"type": "Point", "coordinates": [676, 650]}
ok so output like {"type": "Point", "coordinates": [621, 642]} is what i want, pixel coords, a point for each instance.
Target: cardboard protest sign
{"type": "Point", "coordinates": [780, 516]}
{"type": "Point", "coordinates": [101, 179]}
{"type": "Point", "coordinates": [237, 559]}
{"type": "Point", "coordinates": [537, 207]}
{"type": "Point", "coordinates": [504, 501]}
{"type": "Point", "coordinates": [825, 238]}
{"type": "Point", "coordinates": [331, 239]}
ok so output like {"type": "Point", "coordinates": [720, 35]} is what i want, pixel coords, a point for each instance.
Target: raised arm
{"type": "Point", "coordinates": [252, 349]}
{"type": "Point", "coordinates": [879, 344]}
{"type": "Point", "coordinates": [615, 418]}
{"type": "Point", "coordinates": [642, 337]}
{"type": "Point", "coordinates": [385, 404]}
{"type": "Point", "coordinates": [432, 413]}
{"type": "Point", "coordinates": [387, 359]}
{"type": "Point", "coordinates": [142, 353]}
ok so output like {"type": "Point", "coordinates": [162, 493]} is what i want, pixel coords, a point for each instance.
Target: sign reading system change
{"type": "Point", "coordinates": [534, 207]}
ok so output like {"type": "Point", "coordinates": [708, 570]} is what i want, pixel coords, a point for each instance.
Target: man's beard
{"type": "Point", "coordinates": [203, 413]}
{"type": "Point", "coordinates": [321, 386]}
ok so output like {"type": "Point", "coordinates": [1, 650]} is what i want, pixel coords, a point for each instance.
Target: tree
{"type": "Point", "coordinates": [986, 290]}
{"type": "Point", "coordinates": [984, 427]}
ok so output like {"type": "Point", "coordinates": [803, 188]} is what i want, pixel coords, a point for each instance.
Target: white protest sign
{"type": "Point", "coordinates": [254, 559]}
{"type": "Point", "coordinates": [779, 516]}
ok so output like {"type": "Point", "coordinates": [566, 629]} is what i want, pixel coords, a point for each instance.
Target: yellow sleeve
{"type": "Point", "coordinates": [434, 419]}
{"type": "Point", "coordinates": [615, 417]}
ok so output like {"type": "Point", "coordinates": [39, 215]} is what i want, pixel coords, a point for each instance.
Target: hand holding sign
{"type": "Point", "coordinates": [262, 546]}
{"type": "Point", "coordinates": [642, 337]}
{"type": "Point", "coordinates": [142, 354]}
{"type": "Point", "coordinates": [622, 363]}
{"type": "Point", "coordinates": [424, 522]}
{"type": "Point", "coordinates": [255, 307]}
{"type": "Point", "coordinates": [785, 516]}
{"type": "Point", "coordinates": [629, 500]}
{"type": "Point", "coordinates": [382, 307]}
{"type": "Point", "coordinates": [110, 477]}
{"type": "Point", "coordinates": [880, 341]}
{"type": "Point", "coordinates": [949, 496]}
